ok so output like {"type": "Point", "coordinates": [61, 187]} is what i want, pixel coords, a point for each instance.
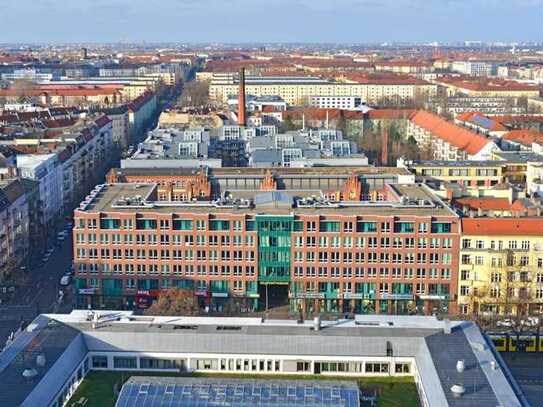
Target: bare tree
{"type": "Point", "coordinates": [195, 94]}
{"type": "Point", "coordinates": [174, 302]}
{"type": "Point", "coordinates": [22, 88]}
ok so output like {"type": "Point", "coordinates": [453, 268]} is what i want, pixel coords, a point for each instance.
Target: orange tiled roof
{"type": "Point", "coordinates": [503, 226]}
{"type": "Point", "coordinates": [320, 114]}
{"type": "Point", "coordinates": [524, 137]}
{"type": "Point", "coordinates": [459, 137]}
{"type": "Point", "coordinates": [471, 118]}
{"type": "Point", "coordinates": [390, 114]}
{"type": "Point", "coordinates": [487, 204]}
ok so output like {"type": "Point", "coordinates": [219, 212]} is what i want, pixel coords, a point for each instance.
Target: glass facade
{"type": "Point", "coordinates": [274, 248]}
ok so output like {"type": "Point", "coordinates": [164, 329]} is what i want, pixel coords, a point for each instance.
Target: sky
{"type": "Point", "coordinates": [234, 21]}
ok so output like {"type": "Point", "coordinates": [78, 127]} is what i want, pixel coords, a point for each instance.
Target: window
{"type": "Point", "coordinates": [99, 362]}
{"type": "Point", "coordinates": [376, 367]}
{"type": "Point", "coordinates": [402, 368]}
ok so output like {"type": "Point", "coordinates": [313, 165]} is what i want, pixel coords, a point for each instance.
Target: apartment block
{"type": "Point", "coordinates": [501, 267]}
{"type": "Point", "coordinates": [14, 224]}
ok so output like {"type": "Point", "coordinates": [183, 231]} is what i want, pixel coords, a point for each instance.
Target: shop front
{"type": "Point", "coordinates": [360, 303]}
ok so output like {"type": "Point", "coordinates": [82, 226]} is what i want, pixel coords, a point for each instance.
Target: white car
{"type": "Point", "coordinates": [65, 280]}
{"type": "Point", "coordinates": [506, 323]}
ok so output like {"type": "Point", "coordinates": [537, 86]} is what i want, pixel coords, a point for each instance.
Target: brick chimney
{"type": "Point", "coordinates": [241, 98]}
{"type": "Point", "coordinates": [384, 147]}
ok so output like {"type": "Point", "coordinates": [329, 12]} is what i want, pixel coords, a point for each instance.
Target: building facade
{"type": "Point", "coordinates": [14, 225]}
{"type": "Point", "coordinates": [501, 267]}
{"type": "Point", "coordinates": [391, 250]}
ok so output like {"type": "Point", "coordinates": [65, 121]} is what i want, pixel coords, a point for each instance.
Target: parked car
{"type": "Point", "coordinates": [506, 323]}
{"type": "Point", "coordinates": [65, 280]}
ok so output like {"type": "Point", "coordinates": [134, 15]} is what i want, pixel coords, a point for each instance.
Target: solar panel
{"type": "Point", "coordinates": [194, 392]}
{"type": "Point", "coordinates": [483, 121]}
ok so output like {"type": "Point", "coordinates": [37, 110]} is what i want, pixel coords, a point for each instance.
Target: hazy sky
{"type": "Point", "coordinates": [270, 20]}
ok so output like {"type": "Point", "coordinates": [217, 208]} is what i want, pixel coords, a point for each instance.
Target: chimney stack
{"type": "Point", "coordinates": [384, 148]}
{"type": "Point", "coordinates": [241, 98]}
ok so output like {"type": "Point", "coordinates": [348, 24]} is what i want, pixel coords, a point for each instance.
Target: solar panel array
{"type": "Point", "coordinates": [252, 393]}
{"type": "Point", "coordinates": [483, 121]}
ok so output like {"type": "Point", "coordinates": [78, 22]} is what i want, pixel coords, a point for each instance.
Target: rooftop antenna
{"type": "Point", "coordinates": [303, 121]}
{"type": "Point", "coordinates": [327, 119]}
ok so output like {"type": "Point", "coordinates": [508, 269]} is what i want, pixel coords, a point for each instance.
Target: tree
{"type": "Point", "coordinates": [22, 88]}
{"type": "Point", "coordinates": [195, 94]}
{"type": "Point", "coordinates": [288, 124]}
{"type": "Point", "coordinates": [174, 302]}
{"type": "Point", "coordinates": [342, 124]}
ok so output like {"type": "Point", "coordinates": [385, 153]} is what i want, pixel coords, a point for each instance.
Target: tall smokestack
{"type": "Point", "coordinates": [384, 148]}
{"type": "Point", "coordinates": [241, 98]}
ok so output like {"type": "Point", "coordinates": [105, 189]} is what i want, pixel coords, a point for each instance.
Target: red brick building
{"type": "Point", "coordinates": [391, 249]}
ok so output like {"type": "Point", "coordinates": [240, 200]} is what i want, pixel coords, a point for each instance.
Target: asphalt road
{"type": "Point", "coordinates": [527, 368]}
{"type": "Point", "coordinates": [40, 293]}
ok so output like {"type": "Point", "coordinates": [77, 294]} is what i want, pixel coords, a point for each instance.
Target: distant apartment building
{"type": "Point", "coordinates": [120, 131]}
{"type": "Point", "coordinates": [489, 105]}
{"type": "Point", "coordinates": [501, 267]}
{"type": "Point", "coordinates": [295, 90]}
{"type": "Point", "coordinates": [338, 102]}
{"type": "Point", "coordinates": [487, 88]}
{"type": "Point", "coordinates": [47, 171]}
{"type": "Point", "coordinates": [475, 68]}
{"type": "Point", "coordinates": [141, 111]}
{"type": "Point", "coordinates": [446, 140]}
{"type": "Point", "coordinates": [14, 224]}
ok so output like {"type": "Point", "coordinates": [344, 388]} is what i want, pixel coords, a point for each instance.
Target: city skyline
{"type": "Point", "coordinates": [353, 21]}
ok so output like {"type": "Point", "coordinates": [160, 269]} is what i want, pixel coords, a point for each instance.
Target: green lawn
{"type": "Point", "coordinates": [392, 391]}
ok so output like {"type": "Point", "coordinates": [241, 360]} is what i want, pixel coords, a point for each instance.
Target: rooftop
{"type": "Point", "coordinates": [66, 339]}
{"type": "Point", "coordinates": [503, 226]}
{"type": "Point", "coordinates": [415, 199]}
{"type": "Point", "coordinates": [459, 137]}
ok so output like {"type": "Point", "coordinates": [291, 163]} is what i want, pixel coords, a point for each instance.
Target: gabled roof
{"type": "Point", "coordinates": [524, 137]}
{"type": "Point", "coordinates": [503, 226]}
{"type": "Point", "coordinates": [495, 204]}
{"type": "Point", "coordinates": [459, 137]}
{"type": "Point", "coordinates": [482, 121]}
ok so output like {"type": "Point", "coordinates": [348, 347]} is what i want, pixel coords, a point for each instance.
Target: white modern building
{"type": "Point", "coordinates": [61, 349]}
{"type": "Point", "coordinates": [339, 102]}
{"type": "Point", "coordinates": [47, 170]}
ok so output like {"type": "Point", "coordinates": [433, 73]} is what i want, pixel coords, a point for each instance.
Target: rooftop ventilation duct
{"type": "Point", "coordinates": [30, 373]}
{"type": "Point", "coordinates": [457, 390]}
{"type": "Point", "coordinates": [317, 323]}
{"type": "Point", "coordinates": [40, 360]}
{"type": "Point", "coordinates": [460, 366]}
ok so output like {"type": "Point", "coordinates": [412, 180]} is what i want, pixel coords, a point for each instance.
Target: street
{"type": "Point", "coordinates": [526, 368]}
{"type": "Point", "coordinates": [40, 292]}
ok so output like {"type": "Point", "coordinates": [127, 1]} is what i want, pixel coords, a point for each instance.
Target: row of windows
{"type": "Point", "coordinates": [166, 269]}
{"type": "Point", "coordinates": [373, 257]}
{"type": "Point", "coordinates": [372, 242]}
{"type": "Point", "coordinates": [496, 276]}
{"type": "Point", "coordinates": [153, 239]}
{"type": "Point", "coordinates": [249, 241]}
{"type": "Point", "coordinates": [373, 272]}
{"type": "Point", "coordinates": [372, 288]}
{"type": "Point", "coordinates": [250, 365]}
{"type": "Point", "coordinates": [509, 292]}
{"type": "Point", "coordinates": [510, 260]}
{"type": "Point", "coordinates": [495, 244]}
{"type": "Point", "coordinates": [154, 254]}
{"type": "Point", "coordinates": [238, 225]}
